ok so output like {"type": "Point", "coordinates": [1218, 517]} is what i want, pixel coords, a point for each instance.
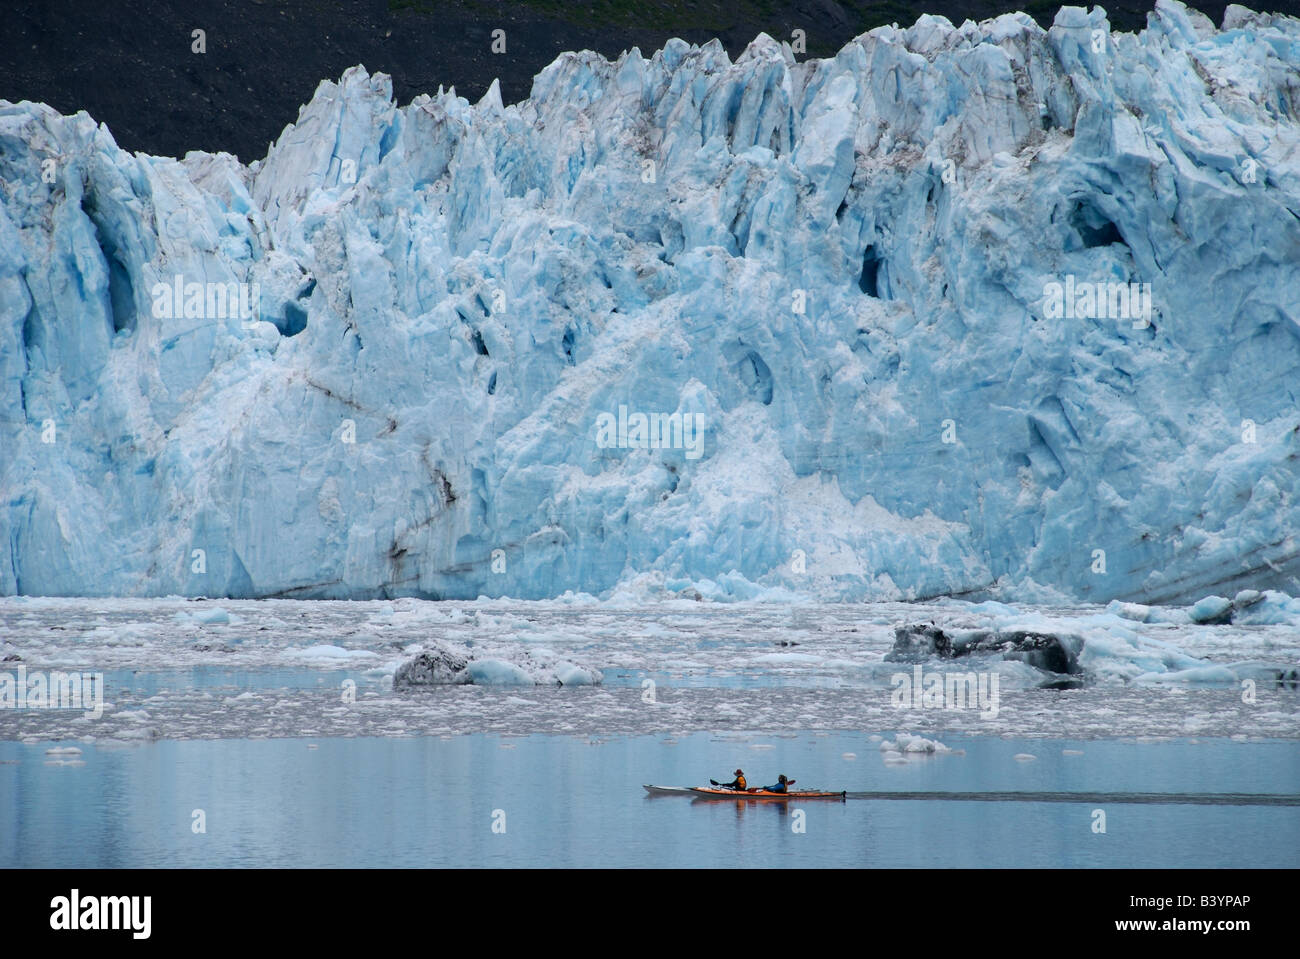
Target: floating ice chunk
{"type": "Point", "coordinates": [437, 665]}
{"type": "Point", "coordinates": [1211, 609]}
{"type": "Point", "coordinates": [1133, 611]}
{"type": "Point", "coordinates": [1010, 640]}
{"type": "Point", "coordinates": [570, 674]}
{"type": "Point", "coordinates": [908, 743]}
{"type": "Point", "coordinates": [1267, 608]}
{"type": "Point", "coordinates": [497, 672]}
{"type": "Point", "coordinates": [443, 663]}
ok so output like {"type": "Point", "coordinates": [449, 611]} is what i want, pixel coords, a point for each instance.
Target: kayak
{"type": "Point", "coordinates": [706, 792]}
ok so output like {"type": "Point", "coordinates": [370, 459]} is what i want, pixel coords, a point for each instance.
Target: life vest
{"type": "Point", "coordinates": [740, 782]}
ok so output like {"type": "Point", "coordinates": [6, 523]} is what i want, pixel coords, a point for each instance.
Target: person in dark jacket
{"type": "Point", "coordinates": [781, 784]}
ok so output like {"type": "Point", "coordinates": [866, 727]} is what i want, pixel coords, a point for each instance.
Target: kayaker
{"type": "Point", "coordinates": [739, 782]}
{"type": "Point", "coordinates": [781, 784]}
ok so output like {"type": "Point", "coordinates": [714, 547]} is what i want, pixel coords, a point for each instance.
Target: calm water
{"type": "Point", "coordinates": [578, 801]}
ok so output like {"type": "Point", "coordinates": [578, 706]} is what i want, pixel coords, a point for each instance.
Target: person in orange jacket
{"type": "Point", "coordinates": [738, 783]}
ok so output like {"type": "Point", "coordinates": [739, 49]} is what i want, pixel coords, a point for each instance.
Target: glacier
{"type": "Point", "coordinates": [842, 270]}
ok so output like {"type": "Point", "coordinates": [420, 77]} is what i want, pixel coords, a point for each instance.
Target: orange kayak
{"type": "Point", "coordinates": [708, 792]}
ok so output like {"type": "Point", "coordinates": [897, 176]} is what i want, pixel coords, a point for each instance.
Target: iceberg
{"type": "Point", "coordinates": [444, 664]}
{"type": "Point", "coordinates": [983, 310]}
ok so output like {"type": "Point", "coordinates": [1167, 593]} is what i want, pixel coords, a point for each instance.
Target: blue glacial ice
{"type": "Point", "coordinates": [680, 325]}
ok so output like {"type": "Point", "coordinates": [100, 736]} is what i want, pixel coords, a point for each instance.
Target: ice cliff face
{"type": "Point", "coordinates": [867, 308]}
